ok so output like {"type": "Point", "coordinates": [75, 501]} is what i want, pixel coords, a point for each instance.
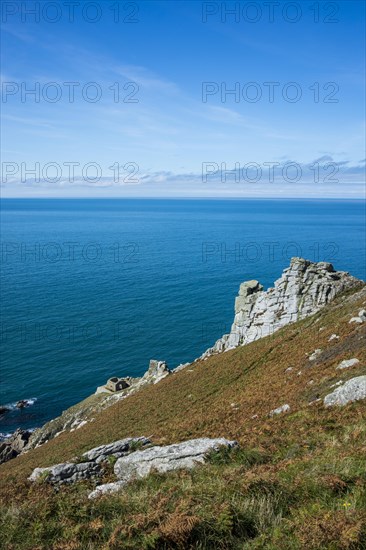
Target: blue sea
{"type": "Point", "coordinates": [95, 288]}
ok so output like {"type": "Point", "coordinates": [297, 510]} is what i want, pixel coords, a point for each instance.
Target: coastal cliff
{"type": "Point", "coordinates": [303, 288]}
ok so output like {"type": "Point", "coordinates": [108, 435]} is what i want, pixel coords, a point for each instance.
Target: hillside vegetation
{"type": "Point", "coordinates": [298, 480]}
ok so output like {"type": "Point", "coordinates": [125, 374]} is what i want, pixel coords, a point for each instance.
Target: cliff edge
{"type": "Point", "coordinates": [302, 290]}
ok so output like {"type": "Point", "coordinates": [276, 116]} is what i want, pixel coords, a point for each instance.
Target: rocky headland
{"type": "Point", "coordinates": [303, 288]}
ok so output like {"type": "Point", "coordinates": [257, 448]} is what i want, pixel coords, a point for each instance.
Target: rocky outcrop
{"type": "Point", "coordinates": [170, 457]}
{"type": "Point", "coordinates": [303, 289]}
{"type": "Point", "coordinates": [14, 445]}
{"type": "Point", "coordinates": [116, 449]}
{"type": "Point", "coordinates": [131, 463]}
{"type": "Point", "coordinates": [68, 472]}
{"type": "Point", "coordinates": [352, 390]}
{"type": "Point", "coordinates": [139, 464]}
{"type": "Point", "coordinates": [89, 464]}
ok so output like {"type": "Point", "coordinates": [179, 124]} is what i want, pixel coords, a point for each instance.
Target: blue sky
{"type": "Point", "coordinates": [169, 133]}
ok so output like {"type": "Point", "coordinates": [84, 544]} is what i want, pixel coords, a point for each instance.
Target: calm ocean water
{"type": "Point", "coordinates": [95, 288]}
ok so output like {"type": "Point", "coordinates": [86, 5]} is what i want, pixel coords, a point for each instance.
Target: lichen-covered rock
{"type": "Point", "coordinates": [68, 472]}
{"type": "Point", "coordinates": [139, 464]}
{"type": "Point", "coordinates": [303, 289]}
{"type": "Point", "coordinates": [352, 390]}
{"type": "Point", "coordinates": [170, 457]}
{"type": "Point", "coordinates": [116, 449]}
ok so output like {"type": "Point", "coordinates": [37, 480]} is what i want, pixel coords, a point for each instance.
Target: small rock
{"type": "Point", "coordinates": [353, 390]}
{"type": "Point", "coordinates": [362, 314]}
{"type": "Point", "coordinates": [333, 337]}
{"type": "Point", "coordinates": [348, 363]}
{"type": "Point", "coordinates": [355, 320]}
{"type": "Point", "coordinates": [3, 410]}
{"type": "Point", "coordinates": [21, 404]}
{"type": "Point", "coordinates": [82, 423]}
{"type": "Point", "coordinates": [314, 401]}
{"type": "Point", "coordinates": [361, 318]}
{"type": "Point", "coordinates": [279, 410]}
{"type": "Point", "coordinates": [337, 384]}
{"type": "Point", "coordinates": [106, 489]}
{"type": "Point", "coordinates": [315, 354]}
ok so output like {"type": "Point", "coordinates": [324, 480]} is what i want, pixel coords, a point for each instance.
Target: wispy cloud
{"type": "Point", "coordinates": [146, 78]}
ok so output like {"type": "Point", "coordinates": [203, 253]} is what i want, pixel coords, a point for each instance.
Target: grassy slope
{"type": "Point", "coordinates": [298, 481]}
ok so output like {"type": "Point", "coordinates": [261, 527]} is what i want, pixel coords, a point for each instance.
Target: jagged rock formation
{"type": "Point", "coordinates": [13, 446]}
{"type": "Point", "coordinates": [139, 464]}
{"type": "Point", "coordinates": [89, 466]}
{"type": "Point", "coordinates": [352, 390]}
{"type": "Point", "coordinates": [302, 290]}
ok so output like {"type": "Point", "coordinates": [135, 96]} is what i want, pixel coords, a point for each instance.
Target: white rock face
{"type": "Point", "coordinates": [139, 464]}
{"type": "Point", "coordinates": [280, 410]}
{"type": "Point", "coordinates": [348, 363]}
{"type": "Point", "coordinates": [303, 289]}
{"type": "Point", "coordinates": [352, 390]}
{"type": "Point", "coordinates": [170, 457]}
